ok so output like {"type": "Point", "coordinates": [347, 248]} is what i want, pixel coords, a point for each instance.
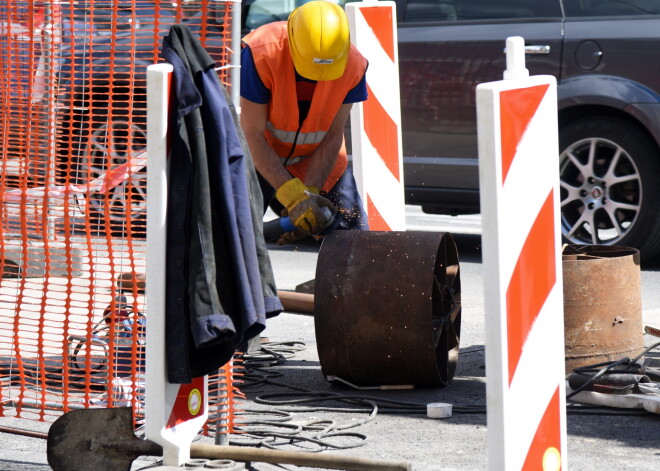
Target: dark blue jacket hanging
{"type": "Point", "coordinates": [219, 282]}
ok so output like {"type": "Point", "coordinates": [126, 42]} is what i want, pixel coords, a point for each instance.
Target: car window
{"type": "Point", "coordinates": [467, 10]}
{"type": "Point", "coordinates": [103, 17]}
{"type": "Point", "coordinates": [611, 7]}
{"type": "Point", "coordinates": [261, 12]}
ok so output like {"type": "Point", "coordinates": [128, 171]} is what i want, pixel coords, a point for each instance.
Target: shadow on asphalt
{"type": "Point", "coordinates": [296, 382]}
{"type": "Point", "coordinates": [615, 425]}
{"type": "Point", "coordinates": [469, 247]}
{"type": "Point", "coordinates": [11, 465]}
{"type": "Point", "coordinates": [652, 264]}
{"type": "Point", "coordinates": [307, 245]}
{"type": "Point", "coordinates": [305, 388]}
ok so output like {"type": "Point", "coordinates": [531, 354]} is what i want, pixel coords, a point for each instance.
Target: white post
{"type": "Point", "coordinates": [521, 240]}
{"type": "Point", "coordinates": [174, 413]}
{"type": "Point", "coordinates": [235, 60]}
{"type": "Point", "coordinates": [376, 123]}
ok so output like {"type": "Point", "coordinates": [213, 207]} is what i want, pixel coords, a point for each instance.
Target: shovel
{"type": "Point", "coordinates": [103, 439]}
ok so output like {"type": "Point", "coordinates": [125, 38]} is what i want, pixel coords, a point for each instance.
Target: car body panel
{"type": "Point", "coordinates": [626, 77]}
{"type": "Point", "coordinates": [438, 91]}
{"type": "Point", "coordinates": [439, 122]}
{"type": "Point", "coordinates": [608, 92]}
{"type": "Point", "coordinates": [627, 50]}
{"type": "Point", "coordinates": [602, 64]}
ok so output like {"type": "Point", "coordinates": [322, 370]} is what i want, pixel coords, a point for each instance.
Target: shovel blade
{"type": "Point", "coordinates": [95, 440]}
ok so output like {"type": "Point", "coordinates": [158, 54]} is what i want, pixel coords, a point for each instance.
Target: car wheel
{"type": "Point", "coordinates": [609, 173]}
{"type": "Point", "coordinates": [113, 163]}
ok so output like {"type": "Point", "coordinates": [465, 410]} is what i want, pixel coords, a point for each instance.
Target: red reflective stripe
{"type": "Point", "coordinates": [382, 132]}
{"type": "Point", "coordinates": [376, 220]}
{"type": "Point", "coordinates": [548, 435]}
{"type": "Point", "coordinates": [381, 22]}
{"type": "Point", "coordinates": [517, 108]}
{"type": "Point", "coordinates": [189, 403]}
{"type": "Point", "coordinates": [531, 282]}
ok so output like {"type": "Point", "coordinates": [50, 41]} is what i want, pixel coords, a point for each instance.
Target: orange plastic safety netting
{"type": "Point", "coordinates": [73, 188]}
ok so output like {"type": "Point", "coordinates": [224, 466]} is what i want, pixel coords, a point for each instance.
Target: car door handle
{"type": "Point", "coordinates": [537, 49]}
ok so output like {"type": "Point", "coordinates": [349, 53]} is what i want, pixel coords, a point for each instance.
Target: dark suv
{"type": "Point", "coordinates": [605, 55]}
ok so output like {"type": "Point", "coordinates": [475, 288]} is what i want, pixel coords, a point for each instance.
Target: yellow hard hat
{"type": "Point", "coordinates": [319, 40]}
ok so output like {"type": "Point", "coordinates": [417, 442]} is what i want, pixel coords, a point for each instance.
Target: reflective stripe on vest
{"type": "Point", "coordinates": [284, 134]}
{"type": "Point", "coordinates": [290, 136]}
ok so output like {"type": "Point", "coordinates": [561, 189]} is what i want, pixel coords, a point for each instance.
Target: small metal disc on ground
{"type": "Point", "coordinates": [438, 410]}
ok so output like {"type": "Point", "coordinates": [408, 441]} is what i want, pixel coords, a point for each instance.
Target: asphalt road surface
{"type": "Point", "coordinates": [606, 438]}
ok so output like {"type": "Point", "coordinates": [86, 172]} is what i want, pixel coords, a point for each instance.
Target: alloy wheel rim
{"type": "Point", "coordinates": [601, 192]}
{"type": "Point", "coordinates": [115, 143]}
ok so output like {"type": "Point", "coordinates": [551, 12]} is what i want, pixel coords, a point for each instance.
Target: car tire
{"type": "Point", "coordinates": [122, 206]}
{"type": "Point", "coordinates": [609, 174]}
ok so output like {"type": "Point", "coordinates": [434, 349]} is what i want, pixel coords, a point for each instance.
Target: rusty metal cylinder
{"type": "Point", "coordinates": [388, 307]}
{"type": "Point", "coordinates": [602, 304]}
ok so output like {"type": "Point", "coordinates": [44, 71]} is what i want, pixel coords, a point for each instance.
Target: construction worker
{"type": "Point", "coordinates": [299, 79]}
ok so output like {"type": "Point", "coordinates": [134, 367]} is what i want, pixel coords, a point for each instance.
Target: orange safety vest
{"type": "Point", "coordinates": [270, 51]}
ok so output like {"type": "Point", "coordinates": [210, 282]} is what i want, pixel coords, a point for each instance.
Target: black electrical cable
{"type": "Point", "coordinates": [256, 371]}
{"type": "Point", "coordinates": [293, 402]}
{"type": "Point", "coordinates": [599, 369]}
{"type": "Point", "coordinates": [322, 434]}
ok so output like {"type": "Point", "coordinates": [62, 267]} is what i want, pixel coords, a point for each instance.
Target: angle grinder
{"type": "Point", "coordinates": [275, 228]}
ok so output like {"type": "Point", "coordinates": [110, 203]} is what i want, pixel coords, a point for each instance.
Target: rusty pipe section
{"type": "Point", "coordinates": [25, 433]}
{"type": "Point", "coordinates": [299, 303]}
{"type": "Point", "coordinates": [602, 304]}
{"type": "Point", "coordinates": [388, 307]}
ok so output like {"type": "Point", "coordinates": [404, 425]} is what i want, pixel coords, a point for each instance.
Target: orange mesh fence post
{"type": "Point", "coordinates": [73, 195]}
{"type": "Point", "coordinates": [223, 397]}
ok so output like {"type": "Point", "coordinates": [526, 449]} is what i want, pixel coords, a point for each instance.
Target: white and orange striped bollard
{"type": "Point", "coordinates": [521, 241]}
{"type": "Point", "coordinates": [174, 413]}
{"type": "Point", "coordinates": [376, 123]}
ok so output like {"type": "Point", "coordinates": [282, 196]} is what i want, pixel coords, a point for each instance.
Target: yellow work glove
{"type": "Point", "coordinates": [291, 236]}
{"type": "Point", "coordinates": [305, 207]}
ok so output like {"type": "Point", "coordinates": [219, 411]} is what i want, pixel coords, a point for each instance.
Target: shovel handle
{"type": "Point", "coordinates": [297, 458]}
